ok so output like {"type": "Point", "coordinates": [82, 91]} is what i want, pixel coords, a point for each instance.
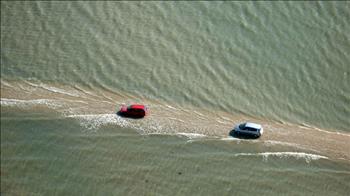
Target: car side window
{"type": "Point", "coordinates": [139, 111]}
{"type": "Point", "coordinates": [252, 129]}
{"type": "Point", "coordinates": [242, 126]}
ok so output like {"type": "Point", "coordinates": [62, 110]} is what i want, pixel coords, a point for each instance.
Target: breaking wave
{"type": "Point", "coordinates": [298, 155]}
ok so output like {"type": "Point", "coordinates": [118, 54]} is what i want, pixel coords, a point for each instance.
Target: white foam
{"type": "Point", "coordinates": [308, 157]}
{"type": "Point", "coordinates": [192, 135]}
{"type": "Point", "coordinates": [94, 121]}
{"type": "Point", "coordinates": [230, 139]}
{"type": "Point", "coordinates": [28, 103]}
{"type": "Point", "coordinates": [238, 140]}
{"type": "Point", "coordinates": [272, 143]}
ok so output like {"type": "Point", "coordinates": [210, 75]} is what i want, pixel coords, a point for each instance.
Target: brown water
{"type": "Point", "coordinates": [201, 68]}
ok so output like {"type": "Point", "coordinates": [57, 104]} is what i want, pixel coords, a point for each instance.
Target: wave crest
{"type": "Point", "coordinates": [298, 155]}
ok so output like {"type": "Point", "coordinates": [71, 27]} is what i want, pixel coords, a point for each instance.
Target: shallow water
{"type": "Point", "coordinates": [43, 153]}
{"type": "Point", "coordinates": [201, 67]}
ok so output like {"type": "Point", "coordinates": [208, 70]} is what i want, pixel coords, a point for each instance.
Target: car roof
{"type": "Point", "coordinates": [252, 125]}
{"type": "Point", "coordinates": [137, 106]}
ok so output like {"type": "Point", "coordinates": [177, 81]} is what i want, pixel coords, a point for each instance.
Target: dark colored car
{"type": "Point", "coordinates": [133, 111]}
{"type": "Point", "coordinates": [247, 129]}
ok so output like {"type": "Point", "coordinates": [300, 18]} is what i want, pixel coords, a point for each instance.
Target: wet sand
{"type": "Point", "coordinates": [99, 107]}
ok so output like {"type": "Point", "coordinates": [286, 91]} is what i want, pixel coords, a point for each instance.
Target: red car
{"type": "Point", "coordinates": [133, 111]}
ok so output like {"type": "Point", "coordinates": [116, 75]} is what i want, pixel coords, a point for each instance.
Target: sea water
{"type": "Point", "coordinates": [201, 68]}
